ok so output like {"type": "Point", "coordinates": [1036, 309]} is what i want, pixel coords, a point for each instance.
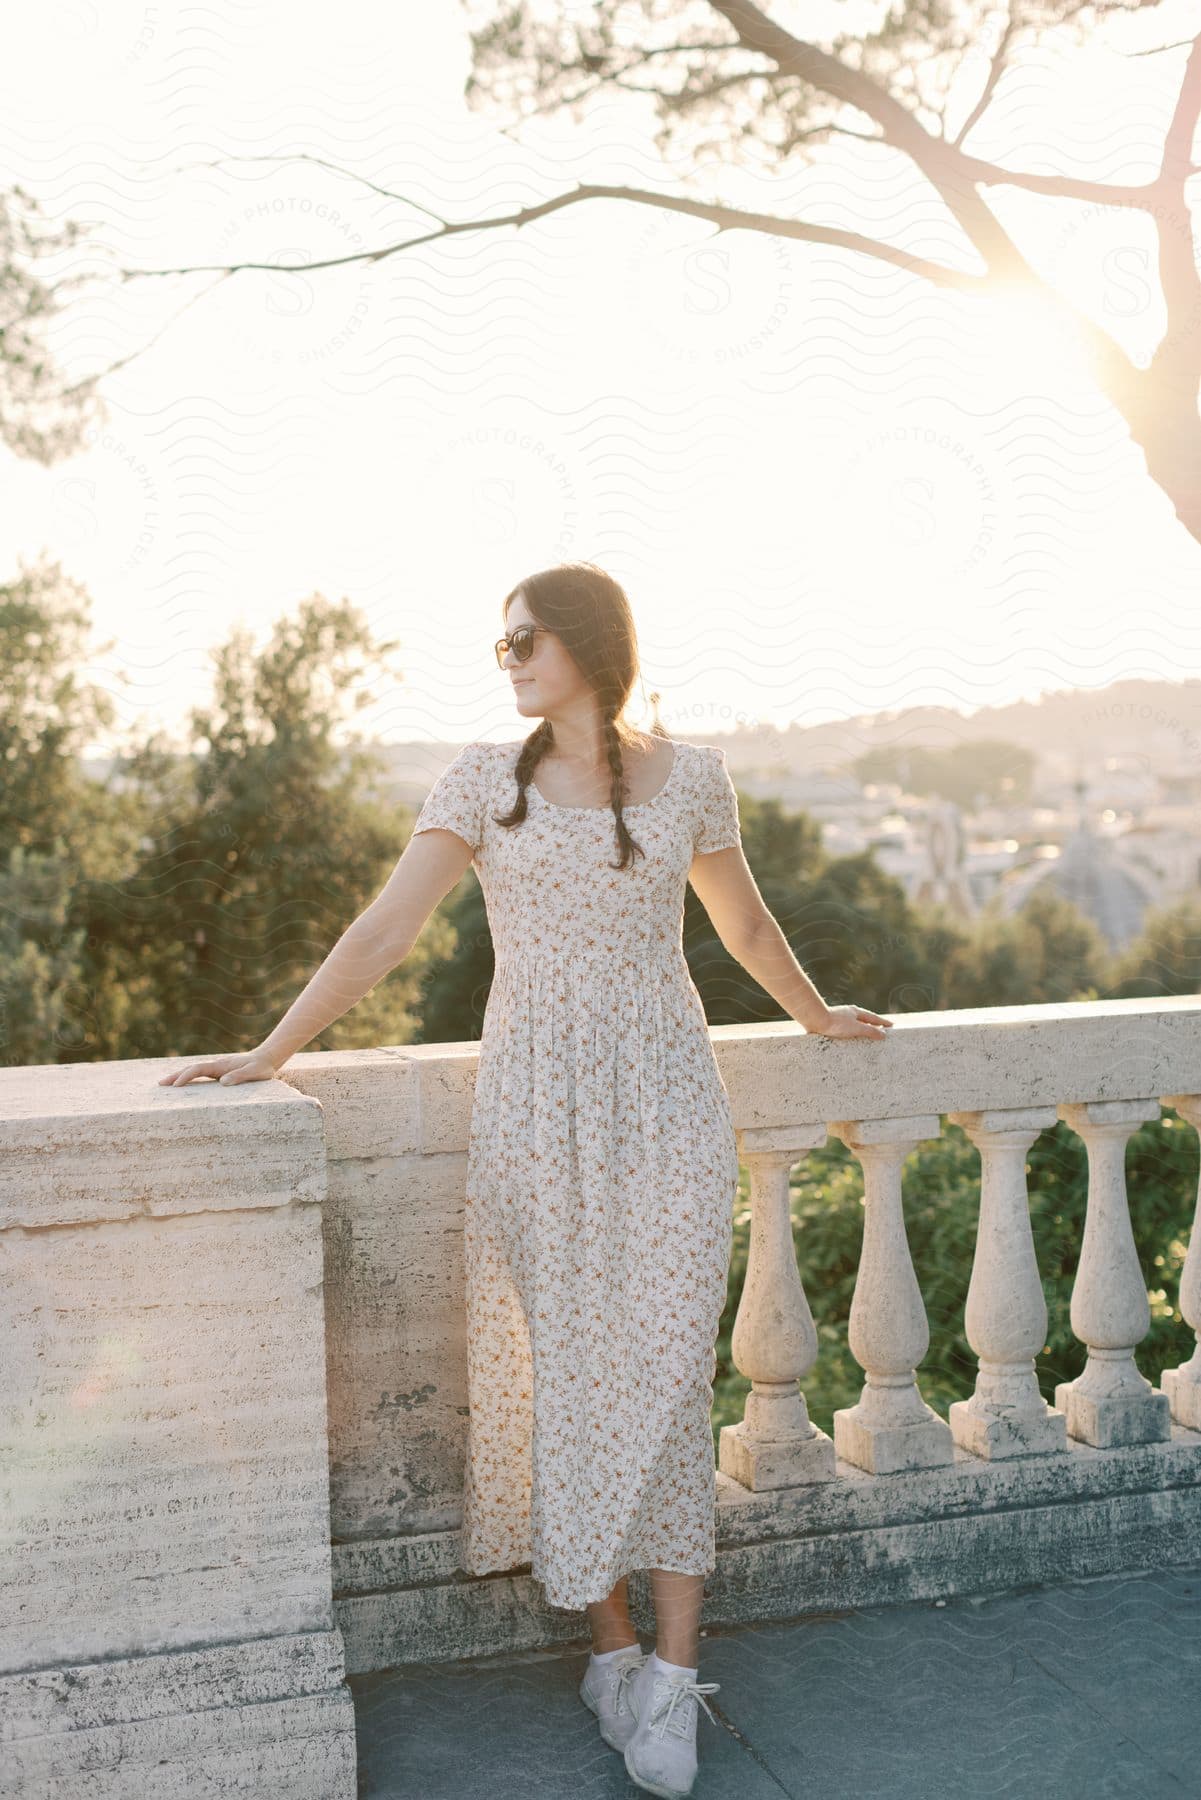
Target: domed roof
{"type": "Point", "coordinates": [1089, 874]}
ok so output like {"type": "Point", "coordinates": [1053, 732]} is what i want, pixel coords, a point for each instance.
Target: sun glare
{"type": "Point", "coordinates": [1036, 344]}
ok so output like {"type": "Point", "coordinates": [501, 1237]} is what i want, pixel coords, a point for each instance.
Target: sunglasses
{"type": "Point", "coordinates": [521, 643]}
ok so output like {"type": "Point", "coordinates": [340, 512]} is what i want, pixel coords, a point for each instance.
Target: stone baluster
{"type": "Point", "coordinates": [1006, 1313]}
{"type": "Point", "coordinates": [1111, 1402]}
{"type": "Point", "coordinates": [890, 1427]}
{"type": "Point", "coordinates": [774, 1342]}
{"type": "Point", "coordinates": [1183, 1385]}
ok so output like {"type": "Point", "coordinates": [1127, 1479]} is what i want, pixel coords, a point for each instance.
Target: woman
{"type": "Point", "coordinates": [602, 1164]}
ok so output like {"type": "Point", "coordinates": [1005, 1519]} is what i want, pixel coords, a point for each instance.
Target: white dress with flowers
{"type": "Point", "coordinates": [601, 1175]}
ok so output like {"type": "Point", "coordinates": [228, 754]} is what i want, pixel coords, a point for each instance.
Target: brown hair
{"type": "Point", "coordinates": [589, 613]}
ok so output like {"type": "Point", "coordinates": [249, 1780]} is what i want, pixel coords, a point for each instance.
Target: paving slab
{"type": "Point", "coordinates": [1086, 1690]}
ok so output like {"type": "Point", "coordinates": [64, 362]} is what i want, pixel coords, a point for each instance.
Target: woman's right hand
{"type": "Point", "coordinates": [252, 1065]}
{"type": "Point", "coordinates": [849, 1021]}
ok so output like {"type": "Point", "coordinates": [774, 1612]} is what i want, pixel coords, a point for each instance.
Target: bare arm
{"type": "Point", "coordinates": [380, 938]}
{"type": "Point", "coordinates": [431, 863]}
{"type": "Point", "coordinates": [730, 895]}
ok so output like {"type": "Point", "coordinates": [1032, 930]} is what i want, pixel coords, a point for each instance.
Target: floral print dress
{"type": "Point", "coordinates": [601, 1174]}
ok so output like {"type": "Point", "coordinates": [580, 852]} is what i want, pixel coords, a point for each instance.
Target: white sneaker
{"type": "Point", "coordinates": [606, 1692]}
{"type": "Point", "coordinates": [660, 1755]}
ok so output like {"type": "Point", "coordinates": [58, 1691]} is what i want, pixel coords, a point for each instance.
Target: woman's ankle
{"type": "Point", "coordinates": [610, 1625]}
{"type": "Point", "coordinates": [605, 1641]}
{"type": "Point", "coordinates": [611, 1629]}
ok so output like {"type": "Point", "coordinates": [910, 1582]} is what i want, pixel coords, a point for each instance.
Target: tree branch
{"type": "Point", "coordinates": [683, 98]}
{"type": "Point", "coordinates": [996, 69]}
{"type": "Point", "coordinates": [599, 73]}
{"type": "Point", "coordinates": [1158, 50]}
{"type": "Point", "coordinates": [726, 218]}
{"type": "Point", "coordinates": [899, 129]}
{"type": "Point", "coordinates": [87, 383]}
{"type": "Point", "coordinates": [1181, 344]}
{"type": "Point", "coordinates": [941, 163]}
{"type": "Point", "coordinates": [322, 162]}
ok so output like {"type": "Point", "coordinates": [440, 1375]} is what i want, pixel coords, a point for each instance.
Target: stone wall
{"type": "Point", "coordinates": [234, 1422]}
{"type": "Point", "coordinates": [165, 1580]}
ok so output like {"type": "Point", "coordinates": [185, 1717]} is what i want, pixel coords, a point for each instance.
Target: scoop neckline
{"type": "Point", "coordinates": [636, 806]}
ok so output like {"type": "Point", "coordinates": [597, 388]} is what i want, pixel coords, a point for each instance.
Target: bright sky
{"type": "Point", "coordinates": [828, 488]}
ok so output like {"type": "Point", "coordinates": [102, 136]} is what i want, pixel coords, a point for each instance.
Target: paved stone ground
{"type": "Point", "coordinates": [1086, 1691]}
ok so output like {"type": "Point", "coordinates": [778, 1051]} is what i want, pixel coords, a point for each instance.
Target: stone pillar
{"type": "Point", "coordinates": [1183, 1385]}
{"type": "Point", "coordinates": [775, 1444]}
{"type": "Point", "coordinates": [890, 1427]}
{"type": "Point", "coordinates": [166, 1604]}
{"type": "Point", "coordinates": [1111, 1402]}
{"type": "Point", "coordinates": [1006, 1313]}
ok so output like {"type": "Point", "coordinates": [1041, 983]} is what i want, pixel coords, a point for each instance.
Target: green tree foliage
{"type": "Point", "coordinates": [41, 969]}
{"type": "Point", "coordinates": [458, 979]}
{"type": "Point", "coordinates": [1048, 952]}
{"type": "Point", "coordinates": [266, 844]}
{"type": "Point", "coordinates": [847, 922]}
{"type": "Point", "coordinates": [178, 906]}
{"type": "Point", "coordinates": [47, 716]}
{"type": "Point", "coordinates": [780, 845]}
{"type": "Point", "coordinates": [56, 825]}
{"type": "Point", "coordinates": [853, 930]}
{"type": "Point", "coordinates": [41, 417]}
{"type": "Point", "coordinates": [1166, 956]}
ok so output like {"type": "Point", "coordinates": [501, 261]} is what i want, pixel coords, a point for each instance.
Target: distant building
{"type": "Point", "coordinates": [1092, 873]}
{"type": "Point", "coordinates": [943, 879]}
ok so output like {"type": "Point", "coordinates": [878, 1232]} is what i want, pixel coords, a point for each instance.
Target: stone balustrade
{"type": "Point", "coordinates": [891, 1428]}
{"type": "Point", "coordinates": [234, 1416]}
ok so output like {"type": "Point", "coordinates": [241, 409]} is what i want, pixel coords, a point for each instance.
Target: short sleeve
{"type": "Point", "coordinates": [459, 798]}
{"type": "Point", "coordinates": [717, 826]}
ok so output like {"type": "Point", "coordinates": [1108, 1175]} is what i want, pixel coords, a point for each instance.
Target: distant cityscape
{"type": "Point", "coordinates": [1106, 800]}
{"type": "Point", "coordinates": [1111, 816]}
{"type": "Point", "coordinates": [1116, 843]}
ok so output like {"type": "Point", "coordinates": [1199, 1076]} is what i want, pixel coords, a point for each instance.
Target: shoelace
{"type": "Point", "coordinates": [624, 1672]}
{"type": "Point", "coordinates": [668, 1693]}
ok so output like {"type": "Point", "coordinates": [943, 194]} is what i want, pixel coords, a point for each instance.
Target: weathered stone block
{"type": "Point", "coordinates": [1108, 1419]}
{"type": "Point", "coordinates": [759, 1463]}
{"type": "Point", "coordinates": [997, 1434]}
{"type": "Point", "coordinates": [165, 1595]}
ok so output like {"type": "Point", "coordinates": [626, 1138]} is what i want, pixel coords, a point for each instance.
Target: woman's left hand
{"type": "Point", "coordinates": [850, 1022]}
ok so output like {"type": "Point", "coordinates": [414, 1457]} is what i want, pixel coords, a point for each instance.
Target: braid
{"type": "Point", "coordinates": [625, 842]}
{"type": "Point", "coordinates": [536, 746]}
